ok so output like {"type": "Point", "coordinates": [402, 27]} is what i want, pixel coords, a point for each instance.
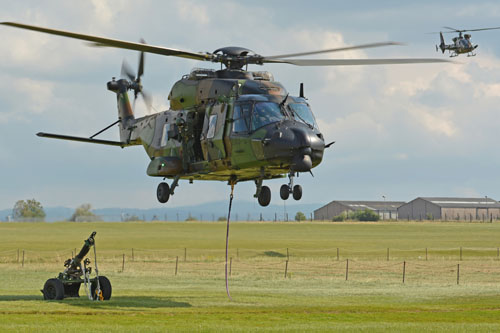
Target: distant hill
{"type": "Point", "coordinates": [241, 211]}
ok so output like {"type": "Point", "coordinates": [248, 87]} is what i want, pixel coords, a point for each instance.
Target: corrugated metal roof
{"type": "Point", "coordinates": [372, 205]}
{"type": "Point", "coordinates": [463, 202]}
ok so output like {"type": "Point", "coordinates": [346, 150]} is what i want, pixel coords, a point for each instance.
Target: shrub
{"type": "Point", "coordinates": [365, 215]}
{"type": "Point", "coordinates": [300, 217]}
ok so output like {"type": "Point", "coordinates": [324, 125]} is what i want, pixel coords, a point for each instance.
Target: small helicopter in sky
{"type": "Point", "coordinates": [229, 125]}
{"type": "Point", "coordinates": [461, 44]}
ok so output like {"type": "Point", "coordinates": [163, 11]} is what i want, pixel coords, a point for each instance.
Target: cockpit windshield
{"type": "Point", "coordinates": [303, 113]}
{"type": "Point", "coordinates": [265, 113]}
{"type": "Point", "coordinates": [250, 117]}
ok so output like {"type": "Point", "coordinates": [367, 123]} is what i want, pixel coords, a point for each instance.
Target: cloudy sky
{"type": "Point", "coordinates": [401, 131]}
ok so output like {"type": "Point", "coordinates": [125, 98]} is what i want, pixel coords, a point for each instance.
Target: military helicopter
{"type": "Point", "coordinates": [229, 125]}
{"type": "Point", "coordinates": [461, 44]}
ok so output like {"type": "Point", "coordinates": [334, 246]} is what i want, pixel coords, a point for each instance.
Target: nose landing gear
{"type": "Point", "coordinates": [286, 189]}
{"type": "Point", "coordinates": [163, 191]}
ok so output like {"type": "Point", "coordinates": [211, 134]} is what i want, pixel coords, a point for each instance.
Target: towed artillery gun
{"type": "Point", "coordinates": [68, 282]}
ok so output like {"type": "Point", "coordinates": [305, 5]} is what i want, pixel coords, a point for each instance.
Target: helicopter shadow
{"type": "Point", "coordinates": [118, 302]}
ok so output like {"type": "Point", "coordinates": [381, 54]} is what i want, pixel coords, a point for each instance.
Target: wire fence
{"type": "Point", "coordinates": [431, 265]}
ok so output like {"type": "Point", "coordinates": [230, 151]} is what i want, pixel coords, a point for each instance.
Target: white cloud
{"type": "Point", "coordinates": [103, 10]}
{"type": "Point", "coordinates": [38, 94]}
{"type": "Point", "coordinates": [435, 121]}
{"type": "Point", "coordinates": [401, 156]}
{"type": "Point", "coordinates": [483, 90]}
{"type": "Point", "coordinates": [192, 13]}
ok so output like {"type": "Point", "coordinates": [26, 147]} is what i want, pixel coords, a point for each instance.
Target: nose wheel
{"type": "Point", "coordinates": [286, 189]}
{"type": "Point", "coordinates": [163, 191]}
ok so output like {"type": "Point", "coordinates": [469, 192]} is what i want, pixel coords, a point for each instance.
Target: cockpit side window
{"type": "Point", "coordinates": [303, 113]}
{"type": "Point", "coordinates": [164, 135]}
{"type": "Point", "coordinates": [241, 117]}
{"type": "Point", "coordinates": [265, 113]}
{"type": "Point", "coordinates": [211, 126]}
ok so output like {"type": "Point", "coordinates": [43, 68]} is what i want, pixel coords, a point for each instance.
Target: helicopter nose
{"type": "Point", "coordinates": [300, 144]}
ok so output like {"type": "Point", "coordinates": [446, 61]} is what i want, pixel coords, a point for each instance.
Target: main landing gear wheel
{"type": "Point", "coordinates": [163, 192]}
{"type": "Point", "coordinates": [297, 192]}
{"type": "Point", "coordinates": [264, 196]}
{"type": "Point", "coordinates": [284, 192]}
{"type": "Point", "coordinates": [53, 289]}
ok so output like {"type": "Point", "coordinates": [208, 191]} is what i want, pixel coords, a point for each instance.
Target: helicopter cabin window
{"type": "Point", "coordinates": [241, 117]}
{"type": "Point", "coordinates": [211, 126]}
{"type": "Point", "coordinates": [265, 113]}
{"type": "Point", "coordinates": [303, 113]}
{"type": "Point", "coordinates": [164, 135]}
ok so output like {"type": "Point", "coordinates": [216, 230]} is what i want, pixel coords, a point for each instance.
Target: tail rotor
{"type": "Point", "coordinates": [135, 80]}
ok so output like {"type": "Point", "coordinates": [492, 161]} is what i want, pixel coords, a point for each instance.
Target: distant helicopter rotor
{"type": "Point", "coordinates": [465, 30]}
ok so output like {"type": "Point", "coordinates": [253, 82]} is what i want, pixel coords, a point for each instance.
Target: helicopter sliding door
{"type": "Point", "coordinates": [212, 140]}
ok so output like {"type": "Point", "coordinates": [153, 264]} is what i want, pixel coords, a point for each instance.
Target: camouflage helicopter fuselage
{"type": "Point", "coordinates": [223, 125]}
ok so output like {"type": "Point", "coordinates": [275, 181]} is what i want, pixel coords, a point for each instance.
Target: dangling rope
{"type": "Point", "coordinates": [231, 182]}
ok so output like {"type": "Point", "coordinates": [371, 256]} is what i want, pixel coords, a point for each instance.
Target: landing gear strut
{"type": "Point", "coordinates": [286, 189]}
{"type": "Point", "coordinates": [163, 192]}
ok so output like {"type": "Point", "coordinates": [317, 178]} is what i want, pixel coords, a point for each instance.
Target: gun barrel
{"type": "Point", "coordinates": [89, 242]}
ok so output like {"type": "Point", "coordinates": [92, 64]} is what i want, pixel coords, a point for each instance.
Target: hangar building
{"type": "Point", "coordinates": [386, 209]}
{"type": "Point", "coordinates": [450, 209]}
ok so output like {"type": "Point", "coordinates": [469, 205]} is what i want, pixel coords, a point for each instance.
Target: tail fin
{"type": "Point", "coordinates": [125, 112]}
{"type": "Point", "coordinates": [442, 45]}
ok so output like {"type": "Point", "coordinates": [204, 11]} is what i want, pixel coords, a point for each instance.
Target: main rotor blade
{"type": "Point", "coordinates": [450, 28]}
{"type": "Point", "coordinates": [116, 43]}
{"type": "Point", "coordinates": [339, 49]}
{"type": "Point", "coordinates": [354, 62]}
{"type": "Point", "coordinates": [481, 29]}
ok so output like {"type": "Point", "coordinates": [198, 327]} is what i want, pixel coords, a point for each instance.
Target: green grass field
{"type": "Point", "coordinates": [314, 295]}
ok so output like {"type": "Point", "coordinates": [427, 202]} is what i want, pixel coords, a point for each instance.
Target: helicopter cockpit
{"type": "Point", "coordinates": [253, 112]}
{"type": "Point", "coordinates": [249, 116]}
{"type": "Point", "coordinates": [302, 112]}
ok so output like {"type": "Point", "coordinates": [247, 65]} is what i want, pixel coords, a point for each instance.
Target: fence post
{"type": "Point", "coordinates": [286, 268]}
{"type": "Point", "coordinates": [458, 273]}
{"type": "Point", "coordinates": [337, 254]}
{"type": "Point", "coordinates": [23, 258]}
{"type": "Point", "coordinates": [176, 264]}
{"type": "Point", "coordinates": [230, 265]}
{"type": "Point", "coordinates": [72, 255]}
{"type": "Point", "coordinates": [287, 255]}
{"type": "Point", "coordinates": [185, 253]}
{"type": "Point", "coordinates": [132, 254]}
{"type": "Point", "coordinates": [404, 271]}
{"type": "Point", "coordinates": [347, 269]}
{"type": "Point", "coordinates": [387, 254]}
{"type": "Point", "coordinates": [123, 263]}
{"type": "Point", "coordinates": [460, 253]}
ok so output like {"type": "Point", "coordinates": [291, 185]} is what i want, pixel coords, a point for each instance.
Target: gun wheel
{"type": "Point", "coordinates": [53, 289]}
{"type": "Point", "coordinates": [105, 293]}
